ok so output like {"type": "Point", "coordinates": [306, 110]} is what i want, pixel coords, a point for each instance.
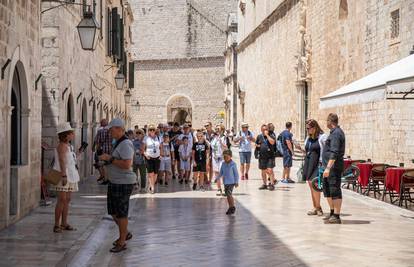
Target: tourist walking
{"type": "Point", "coordinates": [185, 151]}
{"type": "Point", "coordinates": [265, 144]}
{"type": "Point", "coordinates": [218, 145]}
{"type": "Point", "coordinates": [230, 176]}
{"type": "Point", "coordinates": [287, 146]}
{"type": "Point", "coordinates": [139, 161]}
{"type": "Point", "coordinates": [167, 156]}
{"type": "Point", "coordinates": [314, 144]}
{"type": "Point", "coordinates": [209, 134]}
{"type": "Point", "coordinates": [245, 138]}
{"type": "Point", "coordinates": [65, 162]}
{"type": "Point", "coordinates": [152, 155]}
{"type": "Point", "coordinates": [103, 145]}
{"type": "Point", "coordinates": [333, 162]}
{"type": "Point", "coordinates": [201, 154]}
{"type": "Point", "coordinates": [174, 133]}
{"type": "Point", "coordinates": [121, 181]}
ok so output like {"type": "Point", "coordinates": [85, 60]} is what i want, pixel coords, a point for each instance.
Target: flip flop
{"type": "Point", "coordinates": [57, 229]}
{"type": "Point", "coordinates": [128, 237]}
{"type": "Point", "coordinates": [118, 248]}
{"type": "Point", "coordinates": [67, 228]}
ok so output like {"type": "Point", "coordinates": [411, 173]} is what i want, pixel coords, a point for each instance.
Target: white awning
{"type": "Point", "coordinates": [396, 77]}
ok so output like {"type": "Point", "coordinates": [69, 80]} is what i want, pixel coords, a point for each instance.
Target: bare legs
{"type": "Point", "coordinates": [316, 197]}
{"type": "Point", "coordinates": [122, 224]}
{"type": "Point", "coordinates": [62, 208]}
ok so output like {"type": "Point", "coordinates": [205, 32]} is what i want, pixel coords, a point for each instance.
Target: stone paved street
{"type": "Point", "coordinates": [178, 227]}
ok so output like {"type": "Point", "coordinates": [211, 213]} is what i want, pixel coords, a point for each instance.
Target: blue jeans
{"type": "Point", "coordinates": [245, 157]}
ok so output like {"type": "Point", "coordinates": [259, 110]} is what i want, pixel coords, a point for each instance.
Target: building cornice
{"type": "Point", "coordinates": [264, 26]}
{"type": "Point", "coordinates": [180, 63]}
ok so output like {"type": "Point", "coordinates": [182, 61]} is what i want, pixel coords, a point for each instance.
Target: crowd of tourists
{"type": "Point", "coordinates": [144, 159]}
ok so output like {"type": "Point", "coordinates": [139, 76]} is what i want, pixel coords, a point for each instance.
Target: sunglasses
{"type": "Point", "coordinates": [151, 130]}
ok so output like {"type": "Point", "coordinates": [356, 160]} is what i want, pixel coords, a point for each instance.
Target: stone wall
{"type": "Point", "coordinates": [19, 43]}
{"type": "Point", "coordinates": [83, 80]}
{"type": "Point", "coordinates": [347, 40]}
{"type": "Point", "coordinates": [358, 44]}
{"type": "Point", "coordinates": [159, 83]}
{"type": "Point", "coordinates": [266, 72]}
{"type": "Point", "coordinates": [179, 49]}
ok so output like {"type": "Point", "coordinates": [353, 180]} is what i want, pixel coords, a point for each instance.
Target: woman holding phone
{"type": "Point", "coordinates": [65, 162]}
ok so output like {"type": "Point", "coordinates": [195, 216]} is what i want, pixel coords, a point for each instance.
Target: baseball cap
{"type": "Point", "coordinates": [117, 122]}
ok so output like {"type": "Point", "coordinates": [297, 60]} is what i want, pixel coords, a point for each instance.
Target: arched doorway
{"type": "Point", "coordinates": [179, 109]}
{"type": "Point", "coordinates": [18, 138]}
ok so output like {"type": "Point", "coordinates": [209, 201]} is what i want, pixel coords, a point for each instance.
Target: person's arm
{"type": "Point", "coordinates": [193, 153]}
{"type": "Point", "coordinates": [236, 175]}
{"type": "Point", "coordinates": [252, 138]}
{"type": "Point", "coordinates": [271, 140]}
{"type": "Point", "coordinates": [172, 152]}
{"type": "Point", "coordinates": [333, 154]}
{"type": "Point", "coordinates": [62, 150]}
{"type": "Point", "coordinates": [288, 142]}
{"type": "Point", "coordinates": [126, 153]}
{"type": "Point", "coordinates": [237, 138]}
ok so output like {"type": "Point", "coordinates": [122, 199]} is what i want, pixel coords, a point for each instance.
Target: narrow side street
{"type": "Point", "coordinates": [179, 227]}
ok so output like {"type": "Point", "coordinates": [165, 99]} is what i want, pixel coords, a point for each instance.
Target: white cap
{"type": "Point", "coordinates": [64, 127]}
{"type": "Point", "coordinates": [244, 124]}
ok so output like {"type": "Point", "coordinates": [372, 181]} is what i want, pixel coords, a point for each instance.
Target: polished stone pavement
{"type": "Point", "coordinates": [179, 227]}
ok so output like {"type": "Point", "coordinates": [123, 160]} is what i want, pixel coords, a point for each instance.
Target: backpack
{"type": "Point", "coordinates": [279, 148]}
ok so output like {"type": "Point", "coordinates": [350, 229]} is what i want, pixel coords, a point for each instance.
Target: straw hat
{"type": "Point", "coordinates": [64, 127]}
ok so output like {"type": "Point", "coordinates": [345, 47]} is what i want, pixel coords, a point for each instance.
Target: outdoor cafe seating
{"type": "Point", "coordinates": [383, 179]}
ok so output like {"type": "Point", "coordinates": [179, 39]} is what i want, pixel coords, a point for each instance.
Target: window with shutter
{"type": "Point", "coordinates": [131, 77]}
{"type": "Point", "coordinates": [109, 32]}
{"type": "Point", "coordinates": [116, 42]}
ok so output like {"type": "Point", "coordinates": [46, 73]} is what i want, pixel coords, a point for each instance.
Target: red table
{"type": "Point", "coordinates": [393, 178]}
{"type": "Point", "coordinates": [365, 172]}
{"type": "Point", "coordinates": [347, 163]}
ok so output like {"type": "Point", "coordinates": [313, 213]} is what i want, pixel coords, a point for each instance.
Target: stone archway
{"type": "Point", "coordinates": [179, 109]}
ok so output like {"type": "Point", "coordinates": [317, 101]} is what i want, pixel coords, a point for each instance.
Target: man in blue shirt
{"type": "Point", "coordinates": [230, 176]}
{"type": "Point", "coordinates": [287, 146]}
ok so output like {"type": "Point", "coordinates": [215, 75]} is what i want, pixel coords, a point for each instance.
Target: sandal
{"type": "Point", "coordinates": [57, 229]}
{"type": "Point", "coordinates": [128, 237]}
{"type": "Point", "coordinates": [118, 248]}
{"type": "Point", "coordinates": [67, 228]}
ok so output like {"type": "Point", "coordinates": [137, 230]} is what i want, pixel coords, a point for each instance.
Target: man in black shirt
{"type": "Point", "coordinates": [333, 161]}
{"type": "Point", "coordinates": [265, 143]}
{"type": "Point", "coordinates": [201, 153]}
{"type": "Point", "coordinates": [174, 133]}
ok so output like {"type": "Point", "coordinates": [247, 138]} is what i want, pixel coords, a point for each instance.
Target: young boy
{"type": "Point", "coordinates": [167, 156]}
{"type": "Point", "coordinates": [230, 176]}
{"type": "Point", "coordinates": [185, 159]}
{"type": "Point", "coordinates": [200, 156]}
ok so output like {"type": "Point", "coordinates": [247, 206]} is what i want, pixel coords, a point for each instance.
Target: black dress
{"type": "Point", "coordinates": [311, 165]}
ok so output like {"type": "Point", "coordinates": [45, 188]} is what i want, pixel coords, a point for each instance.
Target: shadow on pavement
{"type": "Point", "coordinates": [196, 232]}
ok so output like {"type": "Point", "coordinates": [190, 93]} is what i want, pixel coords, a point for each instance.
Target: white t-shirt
{"type": "Point", "coordinates": [217, 146]}
{"type": "Point", "coordinates": [185, 150]}
{"type": "Point", "coordinates": [152, 146]}
{"type": "Point", "coordinates": [189, 136]}
{"type": "Point", "coordinates": [244, 143]}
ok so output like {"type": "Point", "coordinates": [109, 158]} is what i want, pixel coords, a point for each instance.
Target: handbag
{"type": "Point", "coordinates": [257, 153]}
{"type": "Point", "coordinates": [53, 177]}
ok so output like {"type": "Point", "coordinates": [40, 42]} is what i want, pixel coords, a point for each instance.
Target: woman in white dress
{"type": "Point", "coordinates": [65, 162]}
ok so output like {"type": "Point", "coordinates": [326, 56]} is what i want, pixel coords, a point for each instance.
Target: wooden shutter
{"type": "Point", "coordinates": [116, 42]}
{"type": "Point", "coordinates": [131, 75]}
{"type": "Point", "coordinates": [109, 32]}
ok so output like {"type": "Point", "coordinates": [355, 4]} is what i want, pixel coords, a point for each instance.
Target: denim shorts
{"type": "Point", "coordinates": [287, 160]}
{"type": "Point", "coordinates": [245, 157]}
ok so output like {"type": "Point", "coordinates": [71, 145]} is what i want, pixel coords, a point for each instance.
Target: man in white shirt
{"type": "Point", "coordinates": [245, 138]}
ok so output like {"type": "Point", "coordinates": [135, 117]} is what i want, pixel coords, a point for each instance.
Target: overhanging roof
{"type": "Point", "coordinates": [396, 78]}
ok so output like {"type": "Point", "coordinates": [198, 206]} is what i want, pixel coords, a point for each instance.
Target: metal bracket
{"type": "Point", "coordinates": [90, 101]}
{"type": "Point", "coordinates": [3, 69]}
{"type": "Point", "coordinates": [37, 81]}
{"type": "Point", "coordinates": [77, 99]}
{"type": "Point", "coordinates": [64, 92]}
{"type": "Point", "coordinates": [99, 103]}
{"type": "Point", "coordinates": [62, 3]}
{"type": "Point", "coordinates": [105, 107]}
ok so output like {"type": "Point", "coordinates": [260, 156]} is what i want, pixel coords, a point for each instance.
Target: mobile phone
{"type": "Point", "coordinates": [83, 146]}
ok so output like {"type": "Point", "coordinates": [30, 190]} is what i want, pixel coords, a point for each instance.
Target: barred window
{"type": "Point", "coordinates": [395, 24]}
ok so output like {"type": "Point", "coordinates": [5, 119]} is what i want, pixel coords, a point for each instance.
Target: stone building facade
{"type": "Point", "coordinates": [179, 60]}
{"type": "Point", "coordinates": [20, 109]}
{"type": "Point", "coordinates": [294, 52]}
{"type": "Point", "coordinates": [78, 85]}
{"type": "Point", "coordinates": [231, 91]}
